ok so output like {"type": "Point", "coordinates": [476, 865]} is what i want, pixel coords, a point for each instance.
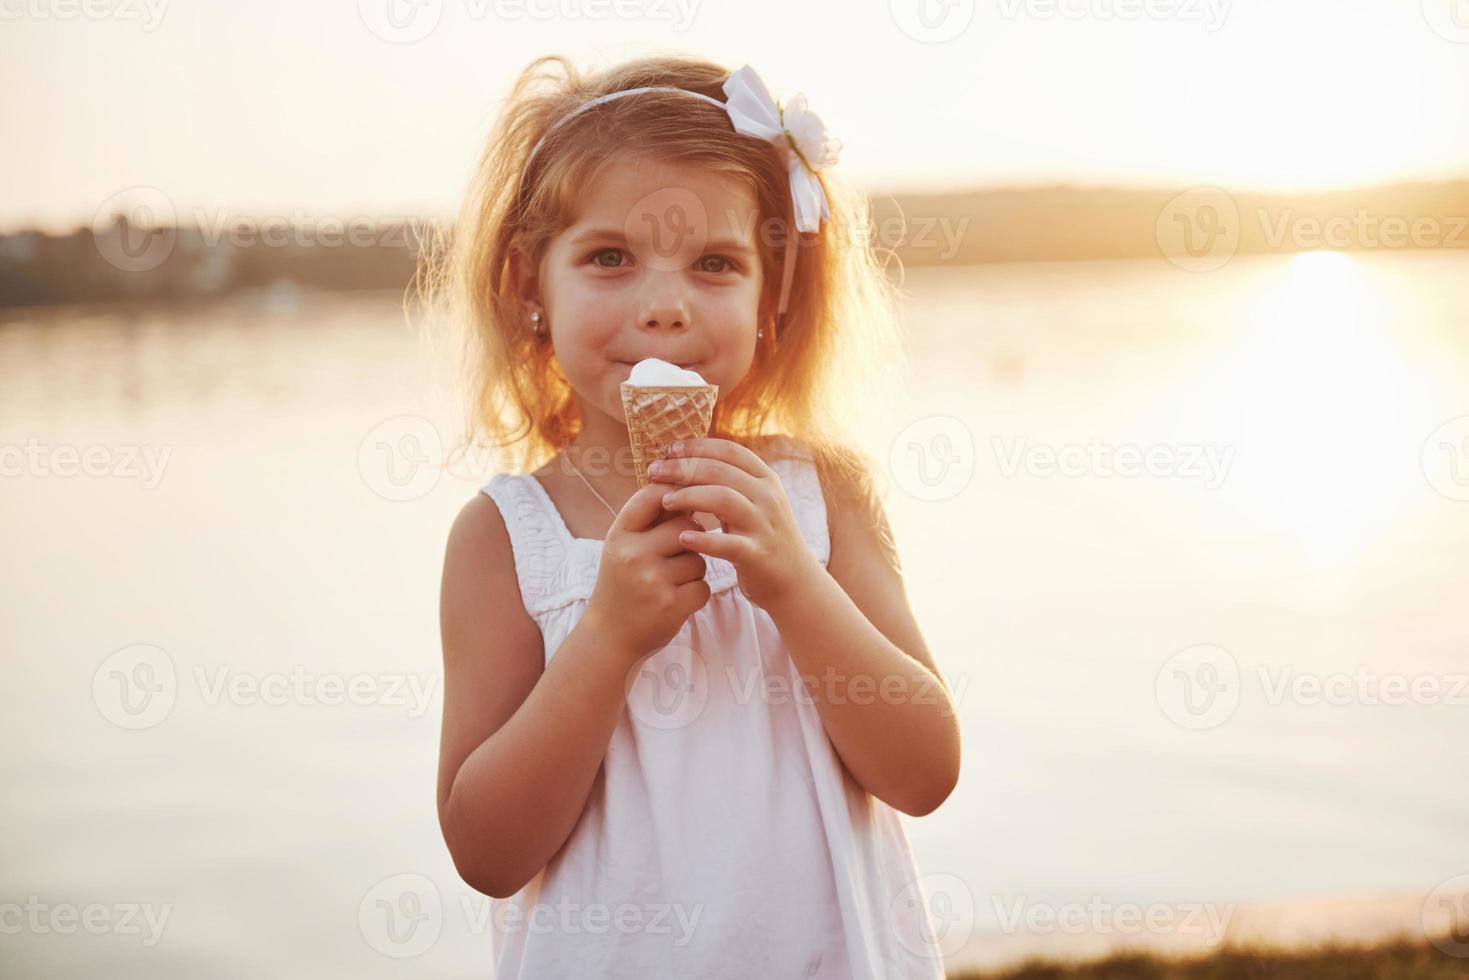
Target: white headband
{"type": "Point", "coordinates": [794, 129]}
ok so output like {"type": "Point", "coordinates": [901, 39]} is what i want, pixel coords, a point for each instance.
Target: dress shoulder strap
{"type": "Point", "coordinates": [540, 543]}
{"type": "Point", "coordinates": [793, 462]}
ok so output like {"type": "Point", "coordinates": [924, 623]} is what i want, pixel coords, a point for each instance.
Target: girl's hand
{"type": "Point", "coordinates": [648, 583]}
{"type": "Point", "coordinates": [760, 536]}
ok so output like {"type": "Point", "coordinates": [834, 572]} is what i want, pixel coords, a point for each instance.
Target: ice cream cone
{"type": "Point", "coordinates": [658, 416]}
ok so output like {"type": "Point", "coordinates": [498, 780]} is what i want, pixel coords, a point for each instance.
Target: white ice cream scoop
{"type": "Point", "coordinates": [653, 372]}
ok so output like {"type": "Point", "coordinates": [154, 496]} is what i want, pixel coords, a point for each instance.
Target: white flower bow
{"type": "Point", "coordinates": [796, 129]}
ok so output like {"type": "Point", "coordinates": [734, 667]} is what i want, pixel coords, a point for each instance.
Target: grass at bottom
{"type": "Point", "coordinates": [1400, 960]}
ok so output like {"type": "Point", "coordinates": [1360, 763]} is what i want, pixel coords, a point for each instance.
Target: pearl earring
{"type": "Point", "coordinates": [535, 322]}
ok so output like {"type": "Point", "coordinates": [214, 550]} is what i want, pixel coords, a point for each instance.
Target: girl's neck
{"type": "Point", "coordinates": [603, 454]}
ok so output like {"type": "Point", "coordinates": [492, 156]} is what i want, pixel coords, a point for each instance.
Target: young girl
{"type": "Point", "coordinates": [679, 721]}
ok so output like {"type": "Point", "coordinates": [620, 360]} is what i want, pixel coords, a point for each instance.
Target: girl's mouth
{"type": "Point", "coordinates": [686, 365]}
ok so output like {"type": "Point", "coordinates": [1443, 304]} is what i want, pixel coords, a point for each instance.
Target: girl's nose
{"type": "Point", "coordinates": [670, 321]}
{"type": "Point", "coordinates": [664, 314]}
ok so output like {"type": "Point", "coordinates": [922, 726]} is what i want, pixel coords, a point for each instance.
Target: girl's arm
{"type": "Point", "coordinates": [853, 637]}
{"type": "Point", "coordinates": [522, 741]}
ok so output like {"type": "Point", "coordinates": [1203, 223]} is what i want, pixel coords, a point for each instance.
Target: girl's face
{"type": "Point", "coordinates": [660, 262]}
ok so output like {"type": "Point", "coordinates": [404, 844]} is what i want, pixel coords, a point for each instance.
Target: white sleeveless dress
{"type": "Point", "coordinates": [722, 837]}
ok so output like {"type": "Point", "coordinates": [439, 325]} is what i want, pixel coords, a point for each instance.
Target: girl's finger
{"type": "Point", "coordinates": [730, 506]}
{"type": "Point", "coordinates": [665, 535]}
{"type": "Point", "coordinates": [730, 547]}
{"type": "Point", "coordinates": [693, 470]}
{"type": "Point", "coordinates": [688, 567]}
{"type": "Point", "coordinates": [641, 511]}
{"type": "Point", "coordinates": [730, 452]}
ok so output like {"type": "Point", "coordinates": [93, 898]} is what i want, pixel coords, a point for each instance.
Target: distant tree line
{"type": "Point", "coordinates": [1193, 227]}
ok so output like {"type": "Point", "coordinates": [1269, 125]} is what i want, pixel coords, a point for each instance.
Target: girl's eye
{"type": "Point", "coordinates": [728, 266]}
{"type": "Point", "coordinates": [714, 264]}
{"type": "Point", "coordinates": [599, 253]}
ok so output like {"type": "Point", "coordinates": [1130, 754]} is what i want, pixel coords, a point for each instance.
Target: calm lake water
{"type": "Point", "coordinates": [1235, 675]}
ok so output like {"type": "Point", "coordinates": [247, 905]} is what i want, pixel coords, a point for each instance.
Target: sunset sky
{"type": "Point", "coordinates": [267, 107]}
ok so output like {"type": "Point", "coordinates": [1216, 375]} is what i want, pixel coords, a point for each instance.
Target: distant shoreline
{"type": "Point", "coordinates": [1194, 228]}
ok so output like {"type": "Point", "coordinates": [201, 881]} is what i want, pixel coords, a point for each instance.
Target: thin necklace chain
{"type": "Point", "coordinates": [576, 469]}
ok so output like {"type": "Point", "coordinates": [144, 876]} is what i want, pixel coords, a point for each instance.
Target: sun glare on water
{"type": "Point", "coordinates": [1322, 400]}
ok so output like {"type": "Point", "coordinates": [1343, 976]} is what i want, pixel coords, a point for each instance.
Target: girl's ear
{"type": "Point", "coordinates": [524, 276]}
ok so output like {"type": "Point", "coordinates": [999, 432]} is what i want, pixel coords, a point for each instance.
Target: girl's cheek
{"type": "Point", "coordinates": [601, 289]}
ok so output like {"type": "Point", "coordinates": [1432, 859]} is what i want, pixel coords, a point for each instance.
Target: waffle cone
{"type": "Point", "coordinates": [659, 416]}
